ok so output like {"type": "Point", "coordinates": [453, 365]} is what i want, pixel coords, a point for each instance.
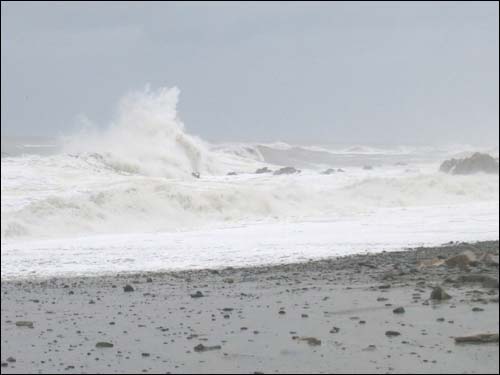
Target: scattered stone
{"type": "Point", "coordinates": [313, 341]}
{"type": "Point", "coordinates": [439, 294]}
{"type": "Point", "coordinates": [487, 281]}
{"type": "Point", "coordinates": [202, 348]}
{"type": "Point", "coordinates": [104, 344]}
{"type": "Point", "coordinates": [482, 338]}
{"type": "Point", "coordinates": [128, 288]}
{"type": "Point", "coordinates": [392, 333]}
{"type": "Point", "coordinates": [24, 323]}
{"type": "Point", "coordinates": [198, 294]}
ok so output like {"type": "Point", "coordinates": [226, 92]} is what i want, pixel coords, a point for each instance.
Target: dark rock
{"type": "Point", "coordinates": [286, 170]}
{"type": "Point", "coordinates": [461, 260]}
{"type": "Point", "coordinates": [328, 171]}
{"type": "Point", "coordinates": [195, 174]}
{"type": "Point", "coordinates": [263, 170]}
{"type": "Point", "coordinates": [232, 174]}
{"type": "Point", "coordinates": [476, 163]}
{"type": "Point", "coordinates": [104, 344]}
{"type": "Point", "coordinates": [149, 280]}
{"type": "Point", "coordinates": [439, 294]}
{"type": "Point", "coordinates": [313, 341]}
{"type": "Point", "coordinates": [128, 288]}
{"type": "Point", "coordinates": [24, 323]}
{"type": "Point", "coordinates": [482, 338]}
{"type": "Point", "coordinates": [487, 281]}
{"type": "Point", "coordinates": [399, 310]}
{"type": "Point", "coordinates": [11, 360]}
{"type": "Point", "coordinates": [202, 348]}
{"type": "Point", "coordinates": [198, 294]}
{"type": "Point", "coordinates": [392, 333]}
{"type": "Point", "coordinates": [477, 309]}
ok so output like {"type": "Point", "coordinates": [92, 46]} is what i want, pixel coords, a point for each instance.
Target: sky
{"type": "Point", "coordinates": [379, 73]}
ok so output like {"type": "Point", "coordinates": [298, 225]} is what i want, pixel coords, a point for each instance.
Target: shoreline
{"type": "Point", "coordinates": [321, 316]}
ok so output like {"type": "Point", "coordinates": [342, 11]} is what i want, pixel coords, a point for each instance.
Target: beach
{"type": "Point", "coordinates": [331, 315]}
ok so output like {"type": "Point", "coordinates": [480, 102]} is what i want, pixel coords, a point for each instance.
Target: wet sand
{"type": "Point", "coordinates": [333, 315]}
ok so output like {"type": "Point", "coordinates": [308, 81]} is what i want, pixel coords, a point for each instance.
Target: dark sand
{"type": "Point", "coordinates": [156, 327]}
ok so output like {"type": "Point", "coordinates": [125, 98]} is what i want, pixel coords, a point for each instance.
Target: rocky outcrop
{"type": "Point", "coordinates": [328, 171]}
{"type": "Point", "coordinates": [263, 170]}
{"type": "Point", "coordinates": [286, 170]}
{"type": "Point", "coordinates": [474, 164]}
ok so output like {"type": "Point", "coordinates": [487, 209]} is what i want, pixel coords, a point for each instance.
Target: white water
{"type": "Point", "coordinates": [124, 199]}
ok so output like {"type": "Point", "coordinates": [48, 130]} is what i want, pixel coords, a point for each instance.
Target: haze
{"type": "Point", "coordinates": [411, 73]}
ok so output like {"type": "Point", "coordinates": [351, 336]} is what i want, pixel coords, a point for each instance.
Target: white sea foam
{"type": "Point", "coordinates": [134, 178]}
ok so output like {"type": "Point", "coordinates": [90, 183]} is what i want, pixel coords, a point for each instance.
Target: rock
{"type": "Point", "coordinates": [263, 170]}
{"type": "Point", "coordinates": [202, 348]}
{"type": "Point", "coordinates": [477, 309]}
{"type": "Point", "coordinates": [489, 259]}
{"type": "Point", "coordinates": [367, 167]}
{"type": "Point", "coordinates": [4, 364]}
{"type": "Point", "coordinates": [328, 171]}
{"type": "Point", "coordinates": [476, 163]}
{"type": "Point", "coordinates": [286, 170]}
{"type": "Point", "coordinates": [435, 262]}
{"type": "Point", "coordinates": [145, 354]}
{"type": "Point", "coordinates": [439, 294]}
{"type": "Point", "coordinates": [24, 323]}
{"type": "Point", "coordinates": [195, 174]}
{"type": "Point", "coordinates": [11, 360]}
{"type": "Point", "coordinates": [340, 170]}
{"type": "Point", "coordinates": [104, 344]}
{"type": "Point", "coordinates": [399, 310]}
{"type": "Point", "coordinates": [335, 330]}
{"type": "Point", "coordinates": [313, 341]}
{"type": "Point", "coordinates": [198, 294]}
{"type": "Point", "coordinates": [461, 260]}
{"type": "Point", "coordinates": [149, 280]}
{"type": "Point", "coordinates": [232, 174]}
{"type": "Point", "coordinates": [128, 288]}
{"type": "Point", "coordinates": [392, 333]}
{"type": "Point", "coordinates": [487, 281]}
{"type": "Point", "coordinates": [482, 338]}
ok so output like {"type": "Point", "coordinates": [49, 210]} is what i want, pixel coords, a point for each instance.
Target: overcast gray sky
{"type": "Point", "coordinates": [331, 72]}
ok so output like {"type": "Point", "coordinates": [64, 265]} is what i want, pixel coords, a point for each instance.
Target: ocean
{"type": "Point", "coordinates": [125, 198]}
